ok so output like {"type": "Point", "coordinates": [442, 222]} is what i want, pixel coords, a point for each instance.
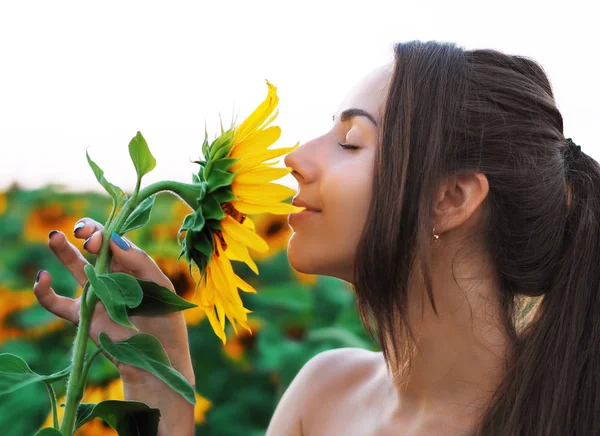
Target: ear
{"type": "Point", "coordinates": [458, 199]}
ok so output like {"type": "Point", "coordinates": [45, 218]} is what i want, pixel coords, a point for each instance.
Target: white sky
{"type": "Point", "coordinates": [78, 74]}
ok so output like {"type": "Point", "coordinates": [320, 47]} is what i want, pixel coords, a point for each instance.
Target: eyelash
{"type": "Point", "coordinates": [348, 146]}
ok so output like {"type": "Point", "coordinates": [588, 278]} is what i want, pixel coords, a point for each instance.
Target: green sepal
{"type": "Point", "coordinates": [211, 209]}
{"type": "Point", "coordinates": [114, 191]}
{"type": "Point", "coordinates": [219, 179]}
{"type": "Point", "coordinates": [16, 374]}
{"type": "Point", "coordinates": [146, 352]}
{"type": "Point", "coordinates": [117, 291]}
{"type": "Point", "coordinates": [222, 151]}
{"type": "Point", "coordinates": [48, 431]}
{"type": "Point", "coordinates": [141, 156]}
{"type": "Point", "coordinates": [203, 243]}
{"type": "Point", "coordinates": [224, 164]}
{"type": "Point", "coordinates": [128, 418]}
{"type": "Point", "coordinates": [223, 195]}
{"type": "Point", "coordinates": [220, 146]}
{"type": "Point", "coordinates": [159, 300]}
{"type": "Point", "coordinates": [140, 216]}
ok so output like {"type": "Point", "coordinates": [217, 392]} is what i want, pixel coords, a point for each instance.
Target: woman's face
{"type": "Point", "coordinates": [334, 183]}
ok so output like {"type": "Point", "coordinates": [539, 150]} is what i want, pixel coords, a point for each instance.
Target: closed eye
{"type": "Point", "coordinates": [348, 146]}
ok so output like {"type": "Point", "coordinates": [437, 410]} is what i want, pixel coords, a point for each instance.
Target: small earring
{"type": "Point", "coordinates": [435, 235]}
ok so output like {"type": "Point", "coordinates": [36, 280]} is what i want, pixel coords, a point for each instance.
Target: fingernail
{"type": "Point", "coordinates": [78, 226]}
{"type": "Point", "coordinates": [51, 233]}
{"type": "Point", "coordinates": [121, 243]}
{"type": "Point", "coordinates": [85, 242]}
{"type": "Point", "coordinates": [37, 277]}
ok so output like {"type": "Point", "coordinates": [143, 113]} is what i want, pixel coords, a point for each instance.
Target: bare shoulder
{"type": "Point", "coordinates": [321, 384]}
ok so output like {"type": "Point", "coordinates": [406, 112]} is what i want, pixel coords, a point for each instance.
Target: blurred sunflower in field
{"type": "Point", "coordinates": [235, 179]}
{"type": "Point", "coordinates": [10, 303]}
{"type": "Point", "coordinates": [114, 391]}
{"type": "Point", "coordinates": [184, 285]}
{"type": "Point", "coordinates": [2, 202]}
{"type": "Point", "coordinates": [45, 218]}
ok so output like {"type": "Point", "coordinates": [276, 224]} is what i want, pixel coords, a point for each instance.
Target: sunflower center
{"type": "Point", "coordinates": [219, 235]}
{"type": "Point", "coordinates": [233, 212]}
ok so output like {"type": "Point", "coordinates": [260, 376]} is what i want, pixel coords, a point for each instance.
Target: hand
{"type": "Point", "coordinates": [170, 329]}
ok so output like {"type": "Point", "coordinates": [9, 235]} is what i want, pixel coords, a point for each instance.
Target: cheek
{"type": "Point", "coordinates": [346, 195]}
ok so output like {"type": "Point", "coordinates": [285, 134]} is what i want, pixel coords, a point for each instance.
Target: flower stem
{"type": "Point", "coordinates": [77, 378]}
{"type": "Point", "coordinates": [76, 383]}
{"type": "Point", "coordinates": [52, 396]}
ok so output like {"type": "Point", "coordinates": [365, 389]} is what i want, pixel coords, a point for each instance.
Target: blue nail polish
{"type": "Point", "coordinates": [51, 233]}
{"type": "Point", "coordinates": [37, 277]}
{"type": "Point", "coordinates": [85, 242]}
{"type": "Point", "coordinates": [121, 243]}
{"type": "Point", "coordinates": [78, 226]}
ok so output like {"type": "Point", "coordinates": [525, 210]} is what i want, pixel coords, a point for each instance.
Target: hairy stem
{"type": "Point", "coordinates": [53, 403]}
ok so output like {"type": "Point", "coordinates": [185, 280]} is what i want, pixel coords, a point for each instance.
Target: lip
{"type": "Point", "coordinates": [302, 215]}
{"type": "Point", "coordinates": [297, 201]}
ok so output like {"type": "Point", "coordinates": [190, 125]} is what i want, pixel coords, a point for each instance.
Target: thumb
{"type": "Point", "coordinates": [63, 307]}
{"type": "Point", "coordinates": [136, 261]}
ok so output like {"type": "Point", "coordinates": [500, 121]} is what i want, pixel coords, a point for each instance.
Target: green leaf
{"type": "Point", "coordinates": [128, 418]}
{"type": "Point", "coordinates": [146, 352]}
{"type": "Point", "coordinates": [115, 192]}
{"type": "Point", "coordinates": [140, 216]}
{"type": "Point", "coordinates": [48, 431]}
{"type": "Point", "coordinates": [140, 154]}
{"type": "Point", "coordinates": [159, 300]}
{"type": "Point", "coordinates": [117, 291]}
{"type": "Point", "coordinates": [16, 374]}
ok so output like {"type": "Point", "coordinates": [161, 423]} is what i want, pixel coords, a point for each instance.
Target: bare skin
{"type": "Point", "coordinates": [349, 391]}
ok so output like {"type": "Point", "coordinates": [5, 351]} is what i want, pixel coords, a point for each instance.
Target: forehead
{"type": "Point", "coordinates": [370, 93]}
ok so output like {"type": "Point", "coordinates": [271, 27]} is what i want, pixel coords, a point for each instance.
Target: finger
{"type": "Point", "coordinates": [69, 255]}
{"type": "Point", "coordinates": [86, 227]}
{"type": "Point", "coordinates": [93, 243]}
{"type": "Point", "coordinates": [136, 261]}
{"type": "Point", "coordinates": [63, 307]}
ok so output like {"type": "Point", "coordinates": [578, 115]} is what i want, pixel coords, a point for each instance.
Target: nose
{"type": "Point", "coordinates": [302, 161]}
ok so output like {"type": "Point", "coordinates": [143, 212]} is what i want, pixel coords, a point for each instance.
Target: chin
{"type": "Point", "coordinates": [307, 262]}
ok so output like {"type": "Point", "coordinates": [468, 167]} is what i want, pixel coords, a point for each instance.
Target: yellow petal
{"type": "Point", "coordinates": [250, 208]}
{"type": "Point", "coordinates": [253, 162]}
{"type": "Point", "coordinates": [214, 323]}
{"type": "Point", "coordinates": [259, 116]}
{"type": "Point", "coordinates": [256, 142]}
{"type": "Point", "coordinates": [242, 234]}
{"type": "Point", "coordinates": [221, 313]}
{"type": "Point", "coordinates": [262, 174]}
{"type": "Point", "coordinates": [240, 283]}
{"type": "Point", "coordinates": [264, 192]}
{"type": "Point", "coordinates": [238, 251]}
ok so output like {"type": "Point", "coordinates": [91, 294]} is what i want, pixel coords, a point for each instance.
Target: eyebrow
{"type": "Point", "coordinates": [356, 112]}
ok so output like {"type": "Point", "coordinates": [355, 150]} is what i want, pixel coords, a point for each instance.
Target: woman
{"type": "Point", "coordinates": [446, 193]}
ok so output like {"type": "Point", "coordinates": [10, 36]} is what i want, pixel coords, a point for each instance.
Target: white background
{"type": "Point", "coordinates": [91, 74]}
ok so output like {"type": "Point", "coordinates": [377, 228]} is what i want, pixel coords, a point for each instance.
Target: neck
{"type": "Point", "coordinates": [461, 352]}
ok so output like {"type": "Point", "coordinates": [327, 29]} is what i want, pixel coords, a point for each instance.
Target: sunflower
{"type": "Point", "coordinates": [114, 391]}
{"type": "Point", "coordinates": [275, 231]}
{"type": "Point", "coordinates": [235, 179]}
{"type": "Point", "coordinates": [48, 217]}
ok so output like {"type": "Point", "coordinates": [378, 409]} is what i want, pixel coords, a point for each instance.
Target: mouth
{"type": "Point", "coordinates": [308, 211]}
{"type": "Point", "coordinates": [301, 203]}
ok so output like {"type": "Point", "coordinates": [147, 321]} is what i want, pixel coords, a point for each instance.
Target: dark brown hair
{"type": "Point", "coordinates": [456, 111]}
